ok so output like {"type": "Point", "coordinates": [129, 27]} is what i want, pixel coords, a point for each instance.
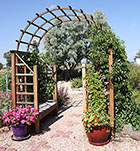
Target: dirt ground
{"type": "Point", "coordinates": [65, 133]}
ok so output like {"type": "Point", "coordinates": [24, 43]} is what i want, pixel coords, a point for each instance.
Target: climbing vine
{"type": "Point", "coordinates": [101, 40]}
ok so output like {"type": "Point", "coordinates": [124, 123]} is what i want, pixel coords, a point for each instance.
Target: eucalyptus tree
{"type": "Point", "coordinates": [66, 44]}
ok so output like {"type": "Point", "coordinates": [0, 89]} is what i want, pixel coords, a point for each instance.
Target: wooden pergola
{"type": "Point", "coordinates": [36, 29]}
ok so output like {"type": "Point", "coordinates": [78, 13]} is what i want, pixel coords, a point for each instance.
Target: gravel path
{"type": "Point", "coordinates": [65, 133]}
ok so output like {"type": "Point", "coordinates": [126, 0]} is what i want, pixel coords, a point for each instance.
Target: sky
{"type": "Point", "coordinates": [122, 15]}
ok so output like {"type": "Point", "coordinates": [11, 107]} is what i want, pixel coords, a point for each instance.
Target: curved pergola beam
{"type": "Point", "coordinates": [83, 17]}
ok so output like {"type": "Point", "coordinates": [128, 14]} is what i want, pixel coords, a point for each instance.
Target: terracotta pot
{"type": "Point", "coordinates": [99, 136]}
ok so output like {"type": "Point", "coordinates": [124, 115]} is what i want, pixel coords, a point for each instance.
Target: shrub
{"type": "Point", "coordinates": [134, 75]}
{"type": "Point", "coordinates": [3, 80]}
{"type": "Point", "coordinates": [62, 95]}
{"type": "Point", "coordinates": [77, 83]}
{"type": "Point", "coordinates": [136, 95]}
{"type": "Point", "coordinates": [5, 103]}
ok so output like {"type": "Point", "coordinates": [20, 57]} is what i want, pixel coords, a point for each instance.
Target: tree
{"type": "Point", "coordinates": [7, 56]}
{"type": "Point", "coordinates": [1, 65]}
{"type": "Point", "coordinates": [100, 17]}
{"type": "Point", "coordinates": [66, 43]}
{"type": "Point", "coordinates": [137, 55]}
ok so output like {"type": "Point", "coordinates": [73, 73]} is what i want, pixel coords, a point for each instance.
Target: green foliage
{"type": "Point", "coordinates": [5, 103]}
{"type": "Point", "coordinates": [1, 65]}
{"type": "Point", "coordinates": [97, 101]}
{"type": "Point", "coordinates": [137, 55]}
{"type": "Point", "coordinates": [66, 43]}
{"type": "Point", "coordinates": [134, 75]}
{"type": "Point", "coordinates": [7, 56]}
{"type": "Point", "coordinates": [100, 17]}
{"type": "Point", "coordinates": [136, 96]}
{"type": "Point", "coordinates": [3, 79]}
{"type": "Point", "coordinates": [101, 40]}
{"type": "Point", "coordinates": [76, 83]}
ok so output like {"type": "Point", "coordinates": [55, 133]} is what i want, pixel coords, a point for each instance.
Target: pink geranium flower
{"type": "Point", "coordinates": [19, 114]}
{"type": "Point", "coordinates": [10, 95]}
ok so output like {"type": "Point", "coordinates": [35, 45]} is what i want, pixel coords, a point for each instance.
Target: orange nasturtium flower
{"type": "Point", "coordinates": [101, 96]}
{"type": "Point", "coordinates": [87, 110]}
{"type": "Point", "coordinates": [95, 95]}
{"type": "Point", "coordinates": [97, 119]}
{"type": "Point", "coordinates": [95, 90]}
{"type": "Point", "coordinates": [95, 114]}
{"type": "Point", "coordinates": [85, 124]}
{"type": "Point", "coordinates": [92, 122]}
{"type": "Point", "coordinates": [94, 117]}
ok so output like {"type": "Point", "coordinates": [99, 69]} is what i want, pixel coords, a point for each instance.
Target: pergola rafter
{"type": "Point", "coordinates": [74, 15]}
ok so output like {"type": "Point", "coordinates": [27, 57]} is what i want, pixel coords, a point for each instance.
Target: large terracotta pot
{"type": "Point", "coordinates": [99, 136]}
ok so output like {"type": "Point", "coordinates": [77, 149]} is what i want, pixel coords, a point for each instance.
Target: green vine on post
{"type": "Point", "coordinates": [126, 109]}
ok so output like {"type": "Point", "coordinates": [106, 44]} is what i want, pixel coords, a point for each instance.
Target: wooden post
{"type": "Point", "coordinates": [25, 87]}
{"type": "Point", "coordinates": [36, 106]}
{"type": "Point", "coordinates": [55, 88]}
{"type": "Point", "coordinates": [84, 90]}
{"type": "Point", "coordinates": [13, 62]}
{"type": "Point", "coordinates": [35, 87]}
{"type": "Point", "coordinates": [84, 86]}
{"type": "Point", "coordinates": [111, 90]}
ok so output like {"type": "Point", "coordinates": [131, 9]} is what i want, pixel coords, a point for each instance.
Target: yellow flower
{"type": "Point", "coordinates": [101, 96]}
{"type": "Point", "coordinates": [98, 86]}
{"type": "Point", "coordinates": [95, 95]}
{"type": "Point", "coordinates": [95, 90]}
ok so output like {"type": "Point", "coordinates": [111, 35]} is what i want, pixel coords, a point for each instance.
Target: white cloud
{"type": "Point", "coordinates": [52, 6]}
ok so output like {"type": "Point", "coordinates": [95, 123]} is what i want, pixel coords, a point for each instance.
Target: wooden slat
{"type": "Point", "coordinates": [23, 42]}
{"type": "Point", "coordinates": [84, 86]}
{"type": "Point", "coordinates": [20, 64]}
{"type": "Point", "coordinates": [24, 83]}
{"type": "Point", "coordinates": [20, 52]}
{"type": "Point", "coordinates": [55, 88]}
{"type": "Point", "coordinates": [24, 93]}
{"type": "Point", "coordinates": [36, 25]}
{"type": "Point", "coordinates": [23, 74]}
{"type": "Point", "coordinates": [24, 63]}
{"type": "Point", "coordinates": [25, 102]}
{"type": "Point", "coordinates": [29, 33]}
{"type": "Point", "coordinates": [111, 89]}
{"type": "Point", "coordinates": [84, 90]}
{"type": "Point", "coordinates": [46, 112]}
{"type": "Point", "coordinates": [17, 78]}
{"type": "Point", "coordinates": [35, 87]}
{"type": "Point", "coordinates": [25, 80]}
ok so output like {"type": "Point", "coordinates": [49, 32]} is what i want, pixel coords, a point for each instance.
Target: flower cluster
{"type": "Point", "coordinates": [97, 101]}
{"type": "Point", "coordinates": [19, 114]}
{"type": "Point", "coordinates": [92, 118]}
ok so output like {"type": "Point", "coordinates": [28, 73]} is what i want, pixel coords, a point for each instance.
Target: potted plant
{"type": "Point", "coordinates": [96, 119]}
{"type": "Point", "coordinates": [19, 118]}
